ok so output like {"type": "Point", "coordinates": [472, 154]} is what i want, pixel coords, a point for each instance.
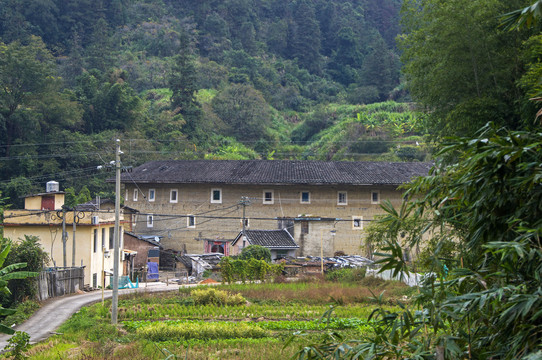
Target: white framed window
{"type": "Point", "coordinates": [216, 196]}
{"type": "Point", "coordinates": [136, 194]}
{"type": "Point", "coordinates": [357, 222]}
{"type": "Point", "coordinates": [191, 221]}
{"type": "Point", "coordinates": [268, 197]}
{"type": "Point", "coordinates": [375, 197]}
{"type": "Point", "coordinates": [173, 196]}
{"type": "Point", "coordinates": [152, 194]}
{"type": "Point", "coordinates": [305, 197]}
{"type": "Point", "coordinates": [342, 198]}
{"type": "Point", "coordinates": [150, 221]}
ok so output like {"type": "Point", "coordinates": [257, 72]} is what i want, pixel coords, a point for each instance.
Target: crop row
{"type": "Point", "coordinates": [290, 312]}
{"type": "Point", "coordinates": [334, 323]}
{"type": "Point", "coordinates": [167, 331]}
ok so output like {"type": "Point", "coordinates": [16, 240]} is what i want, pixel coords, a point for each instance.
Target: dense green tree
{"type": "Point", "coordinates": [98, 52]}
{"type": "Point", "coordinates": [380, 68]}
{"type": "Point", "coordinates": [248, 38]}
{"type": "Point", "coordinates": [13, 25]}
{"type": "Point", "coordinates": [42, 16]}
{"type": "Point", "coordinates": [454, 56]}
{"type": "Point", "coordinates": [16, 189]}
{"type": "Point", "coordinates": [26, 78]}
{"type": "Point", "coordinates": [82, 14]}
{"type": "Point", "coordinates": [276, 33]}
{"type": "Point", "coordinates": [182, 82]}
{"type": "Point", "coordinates": [244, 111]}
{"type": "Point", "coordinates": [216, 37]}
{"type": "Point", "coordinates": [481, 296]}
{"type": "Point", "coordinates": [304, 36]}
{"type": "Point", "coordinates": [384, 16]}
{"type": "Point", "coordinates": [108, 103]}
{"type": "Point", "coordinates": [347, 59]}
{"type": "Point", "coordinates": [73, 199]}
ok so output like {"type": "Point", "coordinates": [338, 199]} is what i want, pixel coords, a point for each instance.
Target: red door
{"type": "Point", "coordinates": [48, 203]}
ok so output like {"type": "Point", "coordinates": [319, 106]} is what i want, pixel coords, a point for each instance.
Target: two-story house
{"type": "Point", "coordinates": [202, 205]}
{"type": "Point", "coordinates": [94, 230]}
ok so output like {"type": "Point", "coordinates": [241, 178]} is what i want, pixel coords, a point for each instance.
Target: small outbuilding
{"type": "Point", "coordinates": [279, 242]}
{"type": "Point", "coordinates": [141, 249]}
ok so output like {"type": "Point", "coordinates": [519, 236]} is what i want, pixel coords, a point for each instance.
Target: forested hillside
{"type": "Point", "coordinates": [243, 79]}
{"type": "Point", "coordinates": [193, 79]}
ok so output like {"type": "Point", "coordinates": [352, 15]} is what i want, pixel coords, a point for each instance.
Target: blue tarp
{"type": "Point", "coordinates": [152, 271]}
{"type": "Point", "coordinates": [125, 283]}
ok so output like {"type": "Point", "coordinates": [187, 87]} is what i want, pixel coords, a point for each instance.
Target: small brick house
{"type": "Point", "coordinates": [141, 245]}
{"type": "Point", "coordinates": [279, 242]}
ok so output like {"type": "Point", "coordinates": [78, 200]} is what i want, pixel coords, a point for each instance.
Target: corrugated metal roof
{"type": "Point", "coordinates": [275, 172]}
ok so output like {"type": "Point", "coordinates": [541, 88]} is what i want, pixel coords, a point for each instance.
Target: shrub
{"type": "Point", "coordinates": [29, 251]}
{"type": "Point", "coordinates": [212, 296]}
{"type": "Point", "coordinates": [23, 311]}
{"type": "Point", "coordinates": [255, 252]}
{"type": "Point", "coordinates": [346, 274]}
{"type": "Point", "coordinates": [17, 345]}
{"type": "Point", "coordinates": [252, 269]}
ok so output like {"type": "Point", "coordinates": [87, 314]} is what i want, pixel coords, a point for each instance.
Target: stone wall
{"type": "Point", "coordinates": [222, 219]}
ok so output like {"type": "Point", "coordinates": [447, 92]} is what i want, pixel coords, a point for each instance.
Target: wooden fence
{"type": "Point", "coordinates": [60, 281]}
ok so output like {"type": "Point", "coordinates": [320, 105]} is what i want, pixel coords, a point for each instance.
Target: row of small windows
{"type": "Point", "coordinates": [268, 196]}
{"type": "Point", "coordinates": [357, 223]}
{"type": "Point", "coordinates": [190, 221]}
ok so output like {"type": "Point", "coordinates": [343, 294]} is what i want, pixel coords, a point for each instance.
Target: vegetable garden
{"type": "Point", "coordinates": [252, 321]}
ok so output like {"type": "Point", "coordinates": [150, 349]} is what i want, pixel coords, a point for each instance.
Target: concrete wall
{"type": "Point", "coordinates": [223, 220]}
{"type": "Point", "coordinates": [34, 202]}
{"type": "Point", "coordinates": [48, 228]}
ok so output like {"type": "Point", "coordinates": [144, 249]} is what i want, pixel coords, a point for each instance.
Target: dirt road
{"type": "Point", "coordinates": [49, 317]}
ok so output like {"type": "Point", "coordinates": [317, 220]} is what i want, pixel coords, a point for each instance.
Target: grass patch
{"type": "Point", "coordinates": [23, 311]}
{"type": "Point", "coordinates": [320, 292]}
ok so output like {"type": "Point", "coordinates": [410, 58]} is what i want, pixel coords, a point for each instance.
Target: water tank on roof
{"type": "Point", "coordinates": [51, 186]}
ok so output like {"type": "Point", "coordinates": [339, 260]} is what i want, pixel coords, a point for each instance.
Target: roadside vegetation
{"type": "Point", "coordinates": [252, 321]}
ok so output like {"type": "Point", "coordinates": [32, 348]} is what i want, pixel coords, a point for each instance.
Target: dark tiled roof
{"type": "Point", "coordinates": [273, 239]}
{"type": "Point", "coordinates": [93, 205]}
{"type": "Point", "coordinates": [269, 172]}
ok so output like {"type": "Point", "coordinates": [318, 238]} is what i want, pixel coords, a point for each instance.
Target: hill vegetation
{"type": "Point", "coordinates": [235, 79]}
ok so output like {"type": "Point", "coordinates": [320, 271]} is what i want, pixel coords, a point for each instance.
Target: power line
{"type": "Point", "coordinates": [191, 142]}
{"type": "Point", "coordinates": [57, 174]}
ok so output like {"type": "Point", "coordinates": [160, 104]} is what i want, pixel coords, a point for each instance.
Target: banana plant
{"type": "Point", "coordinates": [9, 273]}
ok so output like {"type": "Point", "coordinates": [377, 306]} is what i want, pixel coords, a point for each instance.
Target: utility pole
{"type": "Point", "coordinates": [64, 236]}
{"type": "Point", "coordinates": [73, 247]}
{"type": "Point", "coordinates": [244, 201]}
{"type": "Point", "coordinates": [116, 242]}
